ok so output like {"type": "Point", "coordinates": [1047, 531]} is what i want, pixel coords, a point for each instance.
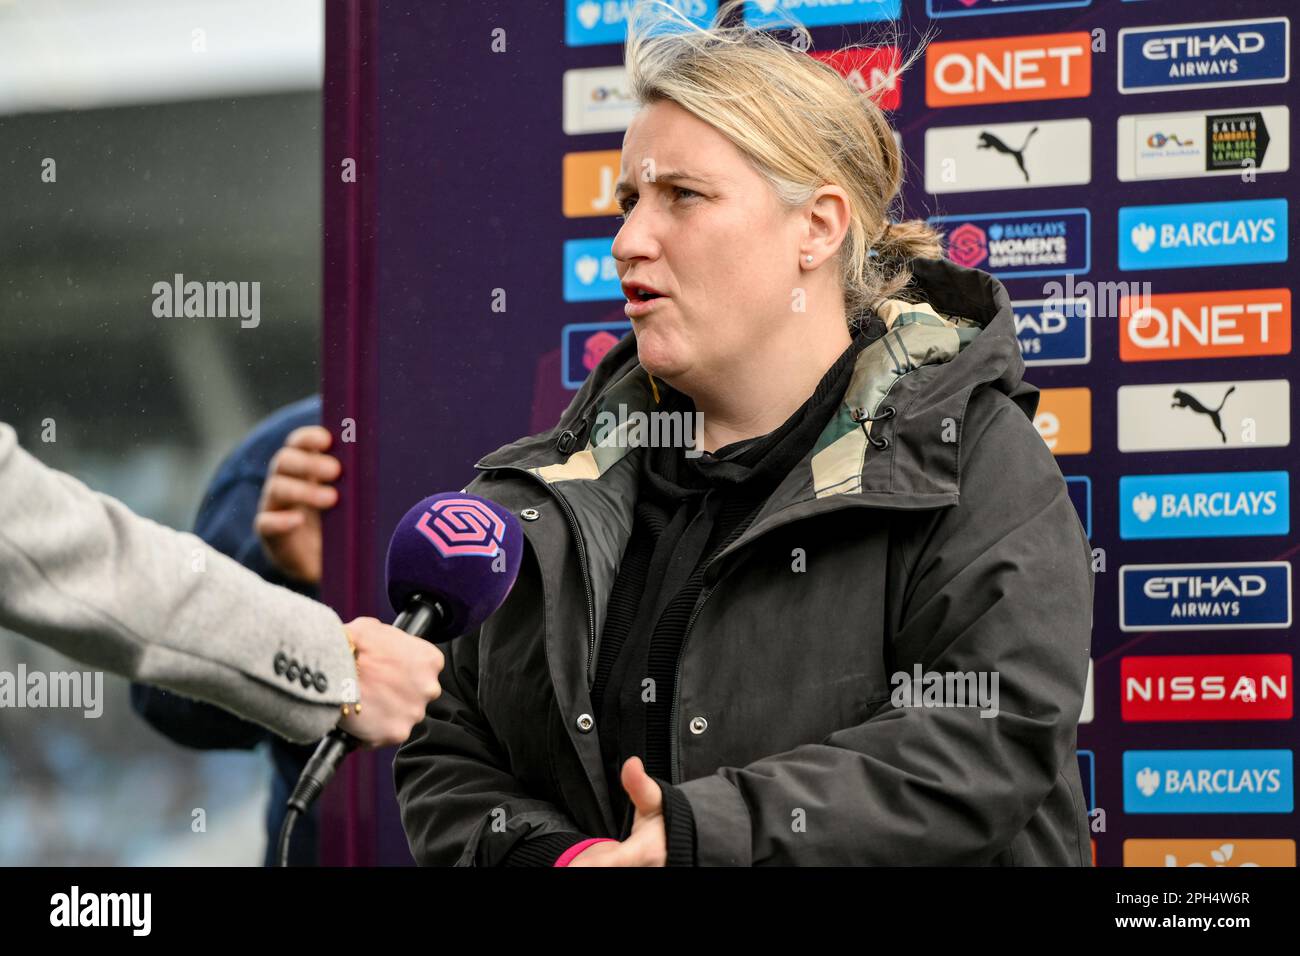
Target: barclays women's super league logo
{"type": "Point", "coordinates": [462, 527]}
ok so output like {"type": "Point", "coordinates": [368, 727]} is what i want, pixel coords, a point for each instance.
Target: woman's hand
{"type": "Point", "coordinates": [397, 676]}
{"type": "Point", "coordinates": [647, 845]}
{"type": "Point", "coordinates": [297, 489]}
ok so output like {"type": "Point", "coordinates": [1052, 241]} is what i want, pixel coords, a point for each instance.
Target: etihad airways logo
{"type": "Point", "coordinates": [1054, 331]}
{"type": "Point", "coordinates": [1189, 56]}
{"type": "Point", "coordinates": [1208, 505]}
{"type": "Point", "coordinates": [1206, 687]}
{"type": "Point", "coordinates": [1204, 597]}
{"type": "Point", "coordinates": [1198, 325]}
{"type": "Point", "coordinates": [1208, 781]}
{"type": "Point", "coordinates": [1203, 234]}
{"type": "Point", "coordinates": [1008, 69]}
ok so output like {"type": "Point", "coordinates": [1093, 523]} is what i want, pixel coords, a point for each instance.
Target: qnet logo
{"type": "Point", "coordinates": [1201, 325]}
{"type": "Point", "coordinates": [1047, 66]}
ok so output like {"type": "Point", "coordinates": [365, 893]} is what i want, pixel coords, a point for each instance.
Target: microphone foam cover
{"type": "Point", "coordinates": [460, 549]}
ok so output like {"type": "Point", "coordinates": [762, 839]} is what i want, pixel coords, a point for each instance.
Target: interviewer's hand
{"type": "Point", "coordinates": [647, 844]}
{"type": "Point", "coordinates": [294, 494]}
{"type": "Point", "coordinates": [398, 677]}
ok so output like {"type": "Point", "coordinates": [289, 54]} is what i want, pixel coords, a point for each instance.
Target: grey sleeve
{"type": "Point", "coordinates": [83, 574]}
{"type": "Point", "coordinates": [999, 583]}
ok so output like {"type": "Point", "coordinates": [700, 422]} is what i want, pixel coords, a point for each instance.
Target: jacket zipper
{"type": "Point", "coordinates": [675, 717]}
{"type": "Point", "coordinates": [675, 721]}
{"type": "Point", "coordinates": [582, 559]}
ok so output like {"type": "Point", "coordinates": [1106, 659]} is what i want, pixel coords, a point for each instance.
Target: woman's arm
{"type": "Point", "coordinates": [82, 573]}
{"type": "Point", "coordinates": [459, 802]}
{"type": "Point", "coordinates": [1000, 583]}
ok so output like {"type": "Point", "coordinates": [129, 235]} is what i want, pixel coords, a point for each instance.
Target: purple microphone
{"type": "Point", "coordinates": [452, 560]}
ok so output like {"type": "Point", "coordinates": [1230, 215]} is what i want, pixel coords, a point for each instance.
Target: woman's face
{"type": "Point", "coordinates": [703, 228]}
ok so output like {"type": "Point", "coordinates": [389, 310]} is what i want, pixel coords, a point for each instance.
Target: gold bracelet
{"type": "Point", "coordinates": [353, 646]}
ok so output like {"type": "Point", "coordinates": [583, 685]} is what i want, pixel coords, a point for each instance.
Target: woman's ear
{"type": "Point", "coordinates": [828, 219]}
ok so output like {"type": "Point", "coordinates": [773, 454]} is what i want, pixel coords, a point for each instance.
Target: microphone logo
{"type": "Point", "coordinates": [462, 527]}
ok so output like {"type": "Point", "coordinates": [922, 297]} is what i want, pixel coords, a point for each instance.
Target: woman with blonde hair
{"type": "Point", "coordinates": [850, 624]}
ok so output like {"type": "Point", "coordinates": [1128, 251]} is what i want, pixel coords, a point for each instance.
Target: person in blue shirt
{"type": "Point", "coordinates": [226, 520]}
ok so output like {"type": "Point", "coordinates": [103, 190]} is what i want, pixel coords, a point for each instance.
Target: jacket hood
{"type": "Point", "coordinates": [949, 332]}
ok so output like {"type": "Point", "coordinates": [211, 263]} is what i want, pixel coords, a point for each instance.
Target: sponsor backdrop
{"type": "Point", "coordinates": [1123, 166]}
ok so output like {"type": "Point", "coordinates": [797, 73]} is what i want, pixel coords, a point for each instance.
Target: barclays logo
{"type": "Point", "coordinates": [1231, 596]}
{"type": "Point", "coordinates": [1202, 234]}
{"type": "Point", "coordinates": [1208, 505]}
{"type": "Point", "coordinates": [1208, 781]}
{"type": "Point", "coordinates": [588, 22]}
{"type": "Point", "coordinates": [591, 271]}
{"type": "Point", "coordinates": [817, 13]}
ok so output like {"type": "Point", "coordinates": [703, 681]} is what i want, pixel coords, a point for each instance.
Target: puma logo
{"type": "Point", "coordinates": [989, 141]}
{"type": "Point", "coordinates": [1187, 400]}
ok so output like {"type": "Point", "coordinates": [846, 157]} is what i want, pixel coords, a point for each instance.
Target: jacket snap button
{"type": "Point", "coordinates": [585, 723]}
{"type": "Point", "coordinates": [530, 514]}
{"type": "Point", "coordinates": [699, 725]}
{"type": "Point", "coordinates": [566, 442]}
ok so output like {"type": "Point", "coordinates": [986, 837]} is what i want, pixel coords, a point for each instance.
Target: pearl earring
{"type": "Point", "coordinates": [807, 258]}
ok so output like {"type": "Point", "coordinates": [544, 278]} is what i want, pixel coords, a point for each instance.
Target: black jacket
{"type": "Point", "coordinates": [929, 528]}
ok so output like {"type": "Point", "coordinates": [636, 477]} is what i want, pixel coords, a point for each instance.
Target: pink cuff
{"type": "Point", "coordinates": [567, 856]}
